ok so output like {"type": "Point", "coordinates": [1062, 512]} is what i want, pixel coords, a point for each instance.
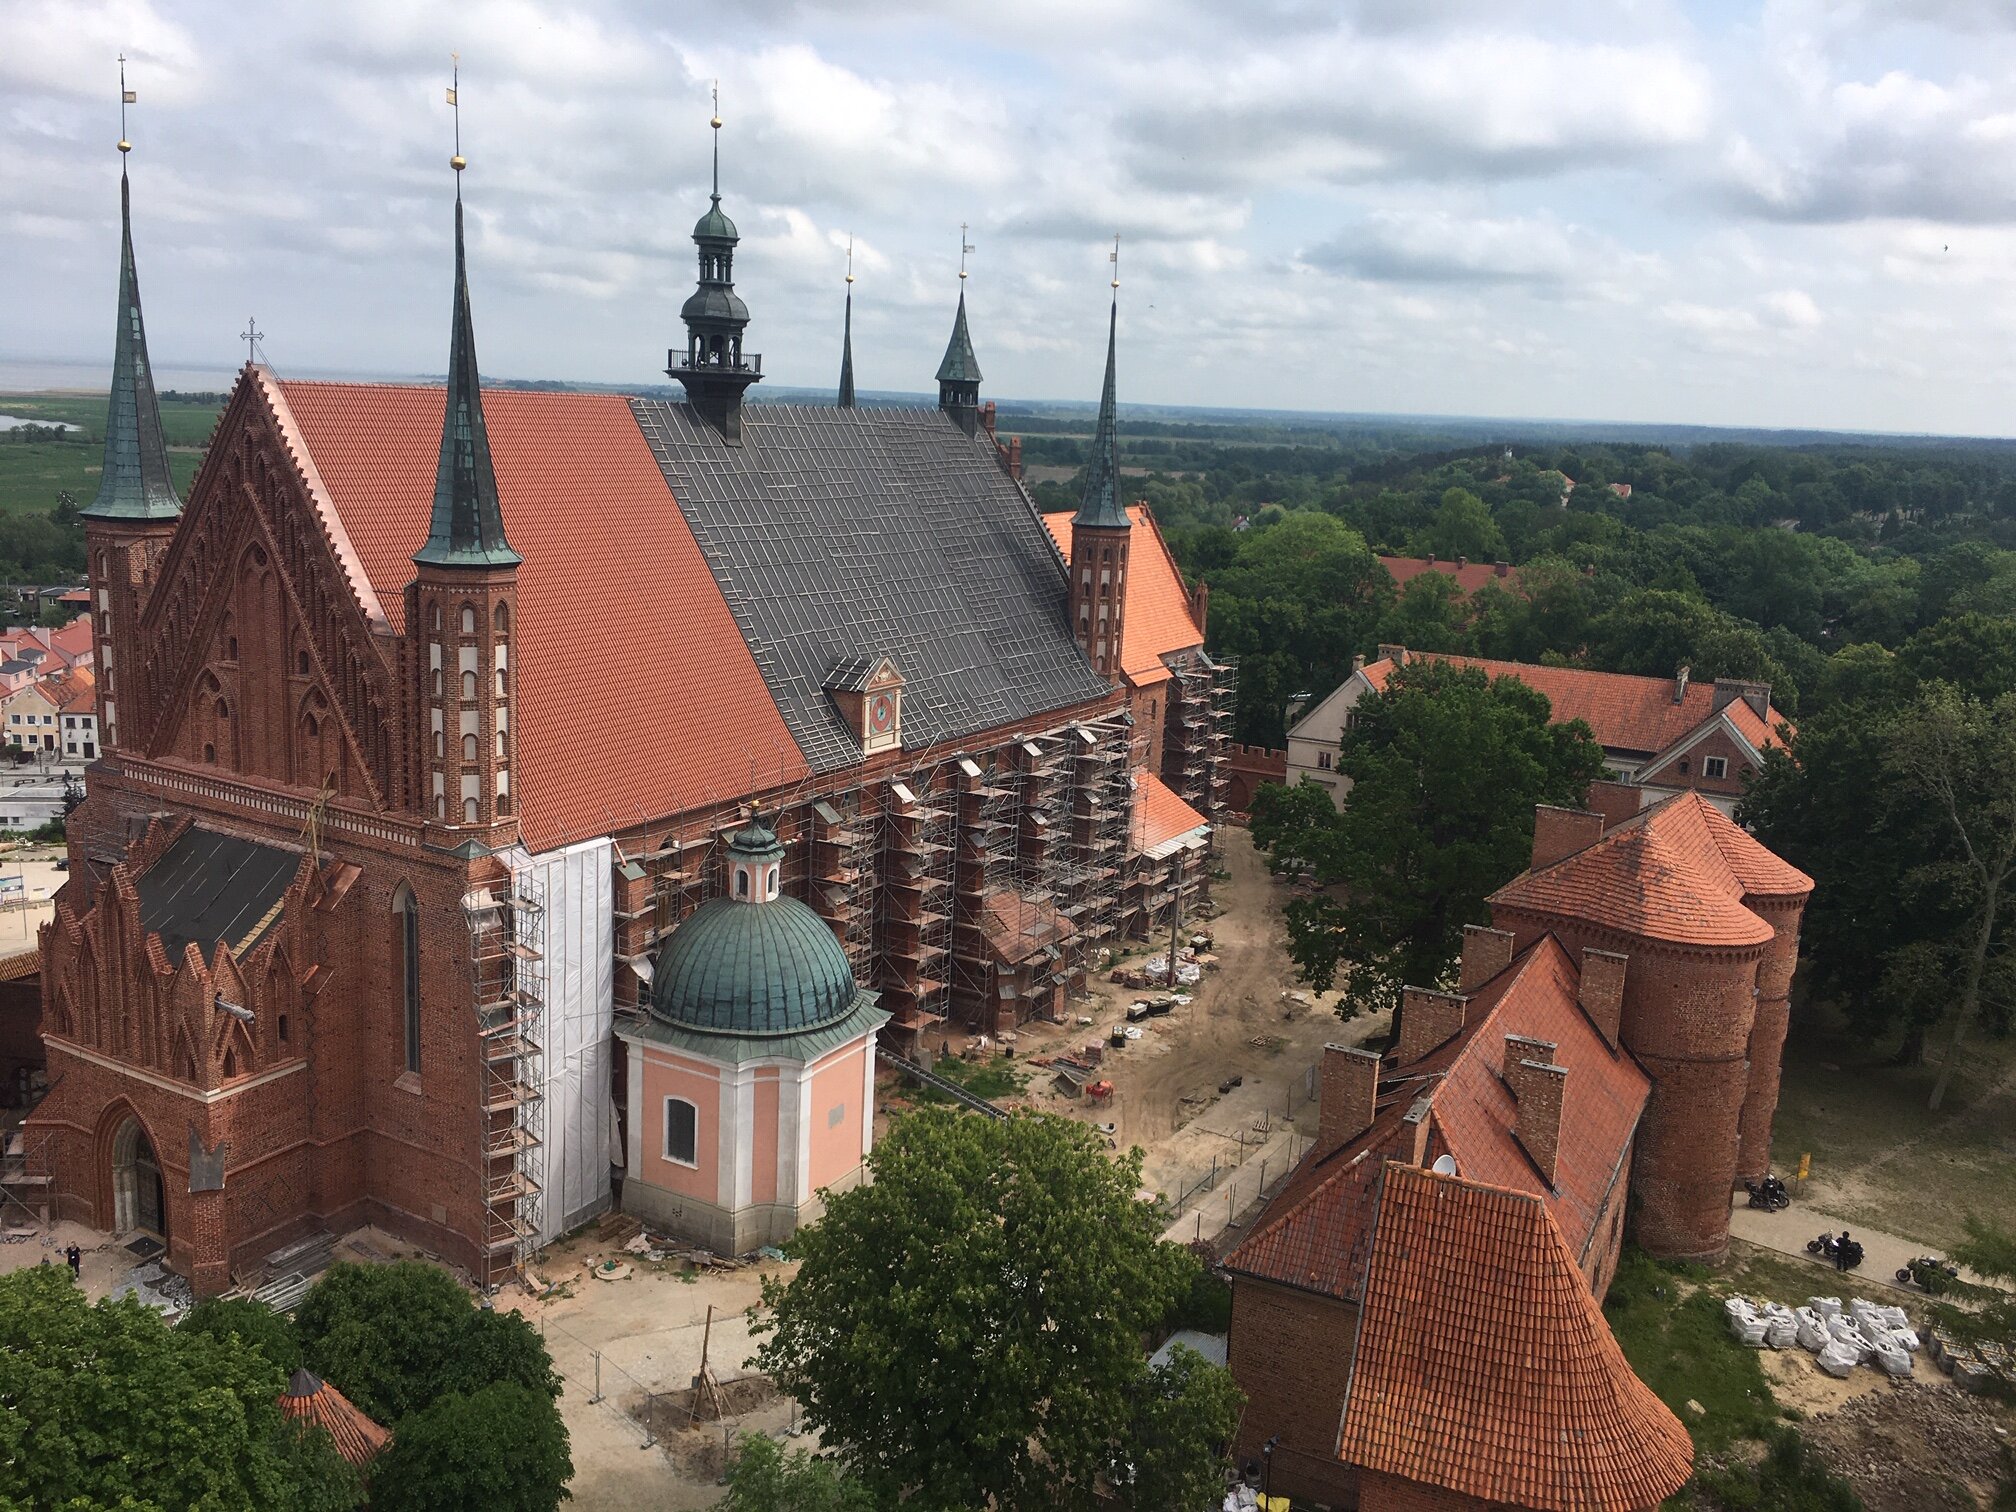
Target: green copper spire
{"type": "Point", "coordinates": [467, 527]}
{"type": "Point", "coordinates": [847, 352]}
{"type": "Point", "coordinates": [136, 483]}
{"type": "Point", "coordinates": [1102, 505]}
{"type": "Point", "coordinates": [960, 365]}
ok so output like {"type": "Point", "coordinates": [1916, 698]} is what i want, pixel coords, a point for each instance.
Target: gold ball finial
{"type": "Point", "coordinates": [850, 278]}
{"type": "Point", "coordinates": [715, 123]}
{"type": "Point", "coordinates": [124, 145]}
{"type": "Point", "coordinates": [458, 162]}
{"type": "Point", "coordinates": [962, 272]}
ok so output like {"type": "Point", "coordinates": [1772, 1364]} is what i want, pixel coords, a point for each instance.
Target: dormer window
{"type": "Point", "coordinates": [868, 693]}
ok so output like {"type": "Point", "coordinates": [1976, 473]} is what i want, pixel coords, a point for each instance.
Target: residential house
{"type": "Point", "coordinates": [36, 713]}
{"type": "Point", "coordinates": [1662, 735]}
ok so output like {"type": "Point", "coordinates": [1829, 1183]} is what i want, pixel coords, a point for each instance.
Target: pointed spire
{"type": "Point", "coordinates": [960, 365]}
{"type": "Point", "coordinates": [1102, 505]}
{"type": "Point", "coordinates": [467, 525]}
{"type": "Point", "coordinates": [135, 483]}
{"type": "Point", "coordinates": [846, 400]}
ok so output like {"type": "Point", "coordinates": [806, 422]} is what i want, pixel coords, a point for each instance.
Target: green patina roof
{"type": "Point", "coordinates": [1102, 505]}
{"type": "Point", "coordinates": [135, 483]}
{"type": "Point", "coordinates": [739, 1049]}
{"type": "Point", "coordinates": [757, 967]}
{"type": "Point", "coordinates": [715, 225]}
{"type": "Point", "coordinates": [466, 528]}
{"type": "Point", "coordinates": [960, 365]}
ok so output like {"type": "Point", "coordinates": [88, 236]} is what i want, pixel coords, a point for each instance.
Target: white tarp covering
{"type": "Point", "coordinates": [578, 1030]}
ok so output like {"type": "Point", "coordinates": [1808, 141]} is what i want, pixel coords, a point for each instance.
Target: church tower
{"type": "Point", "coordinates": [462, 605]}
{"type": "Point", "coordinates": [127, 528]}
{"type": "Point", "coordinates": [959, 373]}
{"type": "Point", "coordinates": [1101, 532]}
{"type": "Point", "coordinates": [713, 367]}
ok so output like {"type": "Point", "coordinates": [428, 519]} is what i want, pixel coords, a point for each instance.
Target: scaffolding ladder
{"type": "Point", "coordinates": [508, 977]}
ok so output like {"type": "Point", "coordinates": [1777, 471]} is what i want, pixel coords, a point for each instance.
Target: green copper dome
{"type": "Point", "coordinates": [753, 965]}
{"type": "Point", "coordinates": [715, 225]}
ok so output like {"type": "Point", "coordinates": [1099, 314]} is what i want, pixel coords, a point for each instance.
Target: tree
{"type": "Point", "coordinates": [107, 1406]}
{"type": "Point", "coordinates": [253, 1324]}
{"type": "Point", "coordinates": [1462, 527]}
{"type": "Point", "coordinates": [766, 1479]}
{"type": "Point", "coordinates": [502, 1448]}
{"type": "Point", "coordinates": [1446, 766]}
{"type": "Point", "coordinates": [1183, 1404]}
{"type": "Point", "coordinates": [1959, 755]}
{"type": "Point", "coordinates": [1429, 615]}
{"type": "Point", "coordinates": [1295, 825]}
{"type": "Point", "coordinates": [965, 1329]}
{"type": "Point", "coordinates": [1654, 631]}
{"type": "Point", "coordinates": [393, 1338]}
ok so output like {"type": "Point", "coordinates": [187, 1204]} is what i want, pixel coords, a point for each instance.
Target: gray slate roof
{"type": "Point", "coordinates": [835, 533]}
{"type": "Point", "coordinates": [208, 887]}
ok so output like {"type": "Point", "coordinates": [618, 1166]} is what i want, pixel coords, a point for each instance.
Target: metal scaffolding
{"type": "Point", "coordinates": [508, 977]}
{"type": "Point", "coordinates": [914, 938]}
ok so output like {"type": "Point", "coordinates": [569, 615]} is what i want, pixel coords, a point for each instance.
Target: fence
{"type": "Point", "coordinates": [1271, 1150]}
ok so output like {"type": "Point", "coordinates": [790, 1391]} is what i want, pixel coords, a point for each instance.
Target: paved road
{"type": "Point", "coordinates": [1788, 1231]}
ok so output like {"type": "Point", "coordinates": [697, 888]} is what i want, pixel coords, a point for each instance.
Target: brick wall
{"type": "Point", "coordinates": [1391, 1493]}
{"type": "Point", "coordinates": [1246, 767]}
{"type": "Point", "coordinates": [1275, 1328]}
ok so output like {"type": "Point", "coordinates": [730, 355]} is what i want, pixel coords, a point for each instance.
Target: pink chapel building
{"type": "Point", "coordinates": [752, 1079]}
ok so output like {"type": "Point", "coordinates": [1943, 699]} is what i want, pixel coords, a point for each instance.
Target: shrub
{"type": "Point", "coordinates": [502, 1448]}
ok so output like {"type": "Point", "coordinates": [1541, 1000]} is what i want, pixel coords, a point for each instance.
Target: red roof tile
{"type": "Point", "coordinates": [1160, 813]}
{"type": "Point", "coordinates": [1677, 871]}
{"type": "Point", "coordinates": [1316, 1232]}
{"type": "Point", "coordinates": [1469, 577]}
{"type": "Point", "coordinates": [612, 578]}
{"type": "Point", "coordinates": [1157, 621]}
{"type": "Point", "coordinates": [1483, 1364]}
{"type": "Point", "coordinates": [1624, 713]}
{"type": "Point", "coordinates": [314, 1400]}
{"type": "Point", "coordinates": [1016, 928]}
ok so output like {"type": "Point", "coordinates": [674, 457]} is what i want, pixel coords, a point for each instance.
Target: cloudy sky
{"type": "Point", "coordinates": [1758, 212]}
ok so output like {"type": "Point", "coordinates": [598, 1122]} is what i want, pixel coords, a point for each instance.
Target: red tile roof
{"type": "Point", "coordinates": [1016, 928]}
{"type": "Point", "coordinates": [612, 579]}
{"type": "Point", "coordinates": [1625, 713]}
{"type": "Point", "coordinates": [1157, 620]}
{"type": "Point", "coordinates": [1483, 1364]}
{"type": "Point", "coordinates": [1469, 577]}
{"type": "Point", "coordinates": [1677, 871]}
{"type": "Point", "coordinates": [75, 692]}
{"type": "Point", "coordinates": [72, 640]}
{"type": "Point", "coordinates": [1313, 1234]}
{"type": "Point", "coordinates": [1160, 814]}
{"type": "Point", "coordinates": [314, 1400]}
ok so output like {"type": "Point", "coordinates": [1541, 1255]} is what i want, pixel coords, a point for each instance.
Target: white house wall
{"type": "Point", "coordinates": [579, 959]}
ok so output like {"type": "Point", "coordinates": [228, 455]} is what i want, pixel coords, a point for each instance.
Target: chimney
{"type": "Point", "coordinates": [1415, 1131]}
{"type": "Point", "coordinates": [1349, 1098]}
{"type": "Point", "coordinates": [1200, 604]}
{"type": "Point", "coordinates": [987, 417]}
{"type": "Point", "coordinates": [1430, 559]}
{"type": "Point", "coordinates": [1755, 694]}
{"type": "Point", "coordinates": [1501, 569]}
{"type": "Point", "coordinates": [1615, 801]}
{"type": "Point", "coordinates": [1602, 993]}
{"type": "Point", "coordinates": [1521, 1047]}
{"type": "Point", "coordinates": [1486, 952]}
{"type": "Point", "coordinates": [1462, 562]}
{"type": "Point", "coordinates": [1358, 663]}
{"type": "Point", "coordinates": [1560, 832]}
{"type": "Point", "coordinates": [1536, 1086]}
{"type": "Point", "coordinates": [1427, 1019]}
{"type": "Point", "coordinates": [1395, 654]}
{"type": "Point", "coordinates": [1680, 678]}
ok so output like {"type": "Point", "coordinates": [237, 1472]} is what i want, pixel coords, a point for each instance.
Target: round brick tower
{"type": "Point", "coordinates": [1709, 921]}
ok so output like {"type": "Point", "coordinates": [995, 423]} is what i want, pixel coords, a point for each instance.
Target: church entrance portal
{"type": "Point", "coordinates": [137, 1198]}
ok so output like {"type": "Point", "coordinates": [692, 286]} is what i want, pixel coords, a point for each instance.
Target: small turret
{"type": "Point", "coordinates": [713, 367]}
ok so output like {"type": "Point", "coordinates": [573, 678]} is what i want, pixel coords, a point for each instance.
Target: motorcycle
{"type": "Point", "coordinates": [1769, 1194]}
{"type": "Point", "coordinates": [1846, 1254]}
{"type": "Point", "coordinates": [1930, 1273]}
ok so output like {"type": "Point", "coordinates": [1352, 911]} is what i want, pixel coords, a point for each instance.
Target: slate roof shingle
{"type": "Point", "coordinates": [1484, 1366]}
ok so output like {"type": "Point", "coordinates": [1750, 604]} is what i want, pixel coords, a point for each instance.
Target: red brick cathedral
{"type": "Point", "coordinates": [427, 718]}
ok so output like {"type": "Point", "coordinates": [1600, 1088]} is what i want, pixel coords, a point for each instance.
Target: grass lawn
{"type": "Point", "coordinates": [32, 473]}
{"type": "Point", "coordinates": [1880, 1158]}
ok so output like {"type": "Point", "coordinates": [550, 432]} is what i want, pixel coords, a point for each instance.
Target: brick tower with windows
{"type": "Point", "coordinates": [1101, 534]}
{"type": "Point", "coordinates": [463, 601]}
{"type": "Point", "coordinates": [129, 524]}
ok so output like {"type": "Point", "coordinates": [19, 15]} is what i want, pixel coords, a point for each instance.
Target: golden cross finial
{"type": "Point", "coordinates": [1114, 258]}
{"type": "Point", "coordinates": [850, 259]}
{"type": "Point", "coordinates": [964, 247]}
{"type": "Point", "coordinates": [126, 97]}
{"type": "Point", "coordinates": [457, 162]}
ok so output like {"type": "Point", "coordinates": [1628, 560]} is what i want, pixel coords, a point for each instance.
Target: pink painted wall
{"type": "Point", "coordinates": [674, 1076]}
{"type": "Point", "coordinates": [763, 1150]}
{"type": "Point", "coordinates": [836, 1147]}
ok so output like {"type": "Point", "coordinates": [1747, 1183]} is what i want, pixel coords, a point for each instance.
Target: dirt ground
{"type": "Point", "coordinates": [1880, 1158]}
{"type": "Point", "coordinates": [1918, 1446]}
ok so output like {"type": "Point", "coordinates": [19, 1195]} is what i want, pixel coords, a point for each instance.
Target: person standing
{"type": "Point", "coordinates": [75, 1257]}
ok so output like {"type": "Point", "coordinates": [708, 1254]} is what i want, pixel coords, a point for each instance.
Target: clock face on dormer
{"type": "Point", "coordinates": [881, 714]}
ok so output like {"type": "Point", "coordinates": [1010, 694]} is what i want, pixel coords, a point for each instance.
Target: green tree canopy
{"type": "Point", "coordinates": [1462, 527]}
{"type": "Point", "coordinates": [766, 1479]}
{"type": "Point", "coordinates": [252, 1323]}
{"type": "Point", "coordinates": [395, 1337]}
{"type": "Point", "coordinates": [965, 1330]}
{"type": "Point", "coordinates": [502, 1448]}
{"type": "Point", "coordinates": [1446, 766]}
{"type": "Point", "coordinates": [1184, 1404]}
{"type": "Point", "coordinates": [107, 1406]}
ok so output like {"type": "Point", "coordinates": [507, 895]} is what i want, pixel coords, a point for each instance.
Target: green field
{"type": "Point", "coordinates": [32, 473]}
